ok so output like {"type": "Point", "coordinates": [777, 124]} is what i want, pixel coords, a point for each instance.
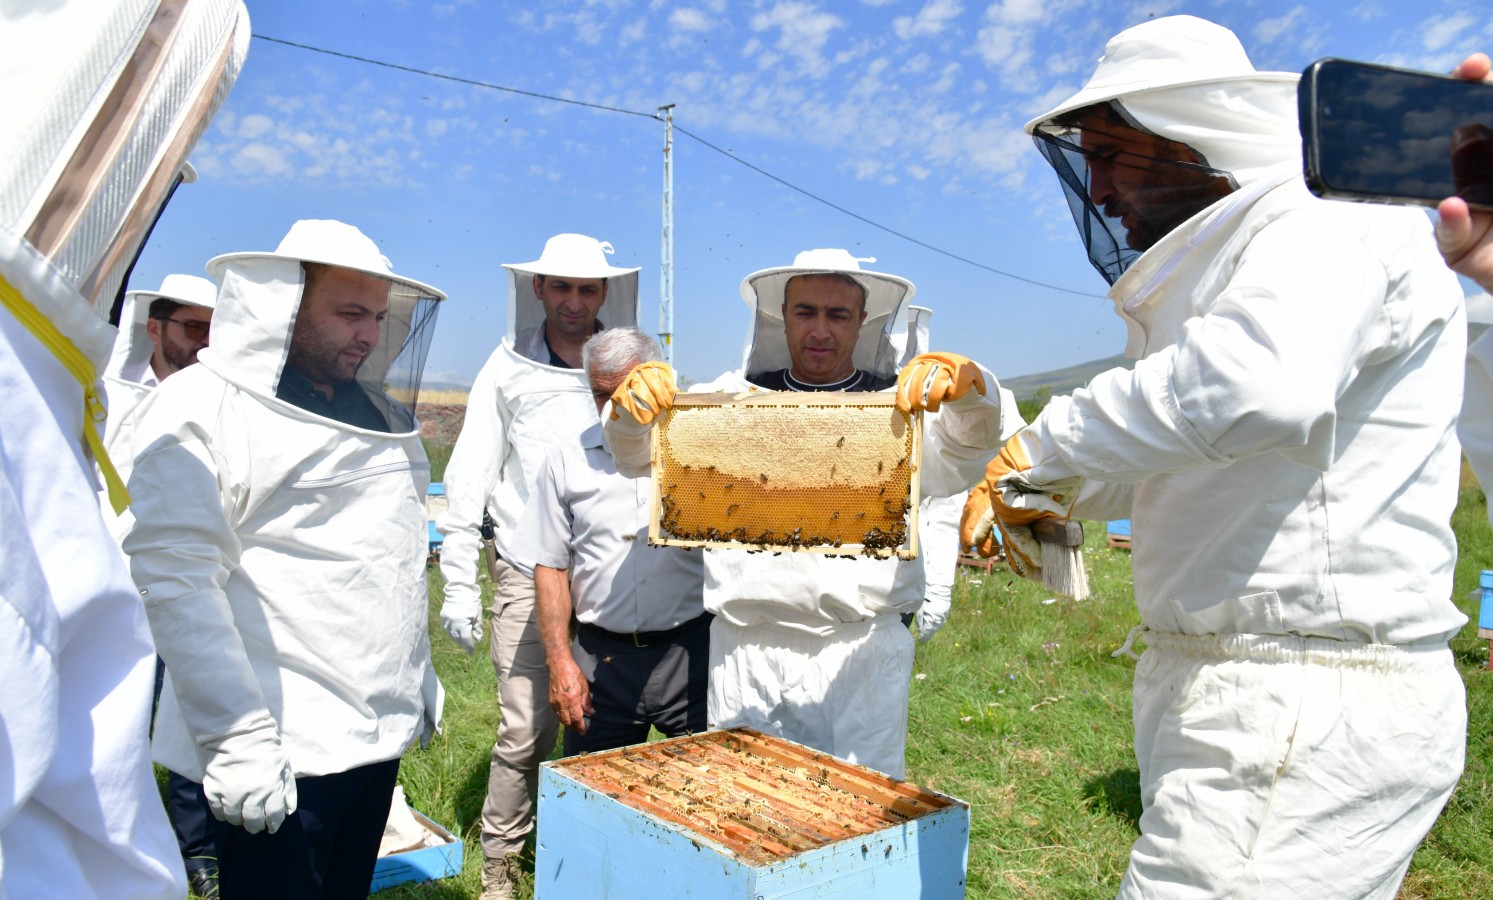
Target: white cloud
{"type": "Point", "coordinates": [689, 19]}
{"type": "Point", "coordinates": [253, 126]}
{"type": "Point", "coordinates": [1268, 31]}
{"type": "Point", "coordinates": [1439, 33]}
{"type": "Point", "coordinates": [803, 30]}
{"type": "Point", "coordinates": [254, 161]}
{"type": "Point", "coordinates": [436, 127]}
{"type": "Point", "coordinates": [930, 20]}
{"type": "Point", "coordinates": [1017, 12]}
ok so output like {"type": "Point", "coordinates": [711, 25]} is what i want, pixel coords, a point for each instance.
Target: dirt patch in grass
{"type": "Point", "coordinates": [440, 423]}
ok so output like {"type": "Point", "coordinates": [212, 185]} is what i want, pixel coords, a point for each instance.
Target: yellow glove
{"type": "Point", "coordinates": [986, 507]}
{"type": "Point", "coordinates": [932, 378]}
{"type": "Point", "coordinates": [646, 391]}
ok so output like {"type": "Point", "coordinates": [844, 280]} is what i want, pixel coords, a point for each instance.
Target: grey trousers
{"type": "Point", "coordinates": [528, 729]}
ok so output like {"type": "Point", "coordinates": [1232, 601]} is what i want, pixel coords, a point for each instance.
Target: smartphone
{"type": "Point", "coordinates": [1382, 135]}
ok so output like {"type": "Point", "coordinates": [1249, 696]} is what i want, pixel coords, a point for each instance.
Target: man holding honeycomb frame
{"type": "Point", "coordinates": [804, 646]}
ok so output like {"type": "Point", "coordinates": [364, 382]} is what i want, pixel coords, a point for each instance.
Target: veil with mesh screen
{"type": "Point", "coordinates": [1162, 188]}
{"type": "Point", "coordinates": [391, 373]}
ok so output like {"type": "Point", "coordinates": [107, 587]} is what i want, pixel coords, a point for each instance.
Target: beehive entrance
{"type": "Point", "coordinates": [762, 798]}
{"type": "Point", "coordinates": [829, 473]}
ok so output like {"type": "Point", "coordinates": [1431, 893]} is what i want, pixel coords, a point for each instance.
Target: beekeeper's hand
{"type": "Point", "coordinates": [1465, 237]}
{"type": "Point", "coordinates": [570, 695]}
{"type": "Point", "coordinates": [248, 781]}
{"type": "Point", "coordinates": [462, 619]}
{"type": "Point", "coordinates": [933, 613]}
{"type": "Point", "coordinates": [932, 379]}
{"type": "Point", "coordinates": [988, 506]}
{"type": "Point", "coordinates": [646, 391]}
{"type": "Point", "coordinates": [979, 525]}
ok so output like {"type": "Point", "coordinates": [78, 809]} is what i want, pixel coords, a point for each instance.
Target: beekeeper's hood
{"type": "Point", "coordinates": [571, 256]}
{"type": "Point", "coordinates": [1185, 80]}
{"type": "Point", "coordinates": [916, 339]}
{"type": "Point", "coordinates": [133, 346]}
{"type": "Point", "coordinates": [261, 297]}
{"type": "Point", "coordinates": [103, 101]}
{"type": "Point", "coordinates": [882, 337]}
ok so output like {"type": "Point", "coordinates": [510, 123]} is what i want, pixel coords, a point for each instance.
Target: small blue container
{"type": "Point", "coordinates": [425, 864]}
{"type": "Point", "coordinates": [1485, 615]}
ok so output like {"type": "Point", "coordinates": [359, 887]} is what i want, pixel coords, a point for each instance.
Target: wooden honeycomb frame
{"type": "Point", "coordinates": [835, 473]}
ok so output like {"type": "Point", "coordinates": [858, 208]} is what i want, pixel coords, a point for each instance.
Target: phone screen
{"type": "Point", "coordinates": [1384, 133]}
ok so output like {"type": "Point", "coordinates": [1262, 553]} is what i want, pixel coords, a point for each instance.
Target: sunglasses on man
{"type": "Point", "coordinates": [192, 329]}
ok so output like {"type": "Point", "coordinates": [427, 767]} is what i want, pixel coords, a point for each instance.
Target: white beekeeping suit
{"type": "Point", "coordinates": [938, 523]}
{"type": "Point", "coordinates": [1284, 448]}
{"type": "Point", "coordinates": [129, 378]}
{"type": "Point", "coordinates": [521, 405]}
{"type": "Point", "coordinates": [281, 553]}
{"type": "Point", "coordinates": [1475, 427]}
{"type": "Point", "coordinates": [80, 815]}
{"type": "Point", "coordinates": [773, 612]}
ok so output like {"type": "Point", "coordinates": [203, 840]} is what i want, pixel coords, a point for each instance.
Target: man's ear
{"type": "Point", "coordinates": [153, 328]}
{"type": "Point", "coordinates": [863, 315]}
{"type": "Point", "coordinates": [605, 283]}
{"type": "Point", "coordinates": [538, 285]}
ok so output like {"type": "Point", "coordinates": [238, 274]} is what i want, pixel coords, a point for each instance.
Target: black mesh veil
{"type": "Point", "coordinates": [391, 374]}
{"type": "Point", "coordinates": [1154, 183]}
{"type": "Point", "coordinates": [1102, 236]}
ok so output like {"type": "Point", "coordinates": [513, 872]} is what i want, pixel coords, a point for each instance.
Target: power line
{"type": "Point", "coordinates": [459, 80]}
{"type": "Point", "coordinates": [692, 136]}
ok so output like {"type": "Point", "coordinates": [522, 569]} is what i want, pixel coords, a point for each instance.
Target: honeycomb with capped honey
{"type": "Point", "coordinates": [830, 472]}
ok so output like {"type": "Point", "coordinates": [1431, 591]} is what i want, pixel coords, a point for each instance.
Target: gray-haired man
{"type": "Point", "coordinates": [641, 652]}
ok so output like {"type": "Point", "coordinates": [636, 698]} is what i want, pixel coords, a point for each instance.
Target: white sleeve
{"type": "Point", "coordinates": [939, 539]}
{"type": "Point", "coordinates": [1261, 371]}
{"type": "Point", "coordinates": [963, 437]}
{"type": "Point", "coordinates": [1475, 426]}
{"type": "Point", "coordinates": [544, 531]}
{"type": "Point", "coordinates": [472, 473]}
{"type": "Point", "coordinates": [182, 548]}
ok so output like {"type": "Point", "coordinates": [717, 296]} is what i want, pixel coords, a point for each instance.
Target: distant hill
{"type": "Point", "coordinates": [1063, 381]}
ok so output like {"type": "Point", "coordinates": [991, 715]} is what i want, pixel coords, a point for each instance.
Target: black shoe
{"type": "Point", "coordinates": [203, 883]}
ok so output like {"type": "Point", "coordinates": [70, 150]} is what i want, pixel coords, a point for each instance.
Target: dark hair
{"type": "Point", "coordinates": [839, 276]}
{"type": "Point", "coordinates": [164, 307]}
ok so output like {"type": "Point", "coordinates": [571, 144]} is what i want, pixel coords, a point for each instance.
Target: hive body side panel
{"type": "Point", "coordinates": [925, 858]}
{"type": "Point", "coordinates": [589, 845]}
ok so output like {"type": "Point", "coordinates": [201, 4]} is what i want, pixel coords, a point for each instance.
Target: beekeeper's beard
{"type": "Point", "coordinates": [1172, 195]}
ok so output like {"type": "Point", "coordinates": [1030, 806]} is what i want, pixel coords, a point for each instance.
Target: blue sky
{"type": "Point", "coordinates": [906, 112]}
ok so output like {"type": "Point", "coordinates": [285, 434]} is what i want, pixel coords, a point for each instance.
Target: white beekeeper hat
{"type": "Point", "coordinates": [331, 243]}
{"type": "Point", "coordinates": [1161, 54]}
{"type": "Point", "coordinates": [880, 334]}
{"type": "Point", "coordinates": [573, 256]}
{"type": "Point", "coordinates": [191, 290]}
{"type": "Point", "coordinates": [763, 290]}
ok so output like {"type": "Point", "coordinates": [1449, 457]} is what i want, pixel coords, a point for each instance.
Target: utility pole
{"type": "Point", "coordinates": [666, 270]}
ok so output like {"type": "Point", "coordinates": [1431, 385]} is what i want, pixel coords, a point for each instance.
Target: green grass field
{"type": "Point", "coordinates": [1018, 708]}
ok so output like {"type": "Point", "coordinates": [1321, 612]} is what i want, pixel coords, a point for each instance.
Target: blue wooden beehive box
{"type": "Point", "coordinates": [739, 814]}
{"type": "Point", "coordinates": [1485, 612]}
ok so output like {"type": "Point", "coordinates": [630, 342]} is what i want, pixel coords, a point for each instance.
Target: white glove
{"type": "Point", "coordinates": [248, 780]}
{"type": "Point", "coordinates": [933, 613]}
{"type": "Point", "coordinates": [462, 619]}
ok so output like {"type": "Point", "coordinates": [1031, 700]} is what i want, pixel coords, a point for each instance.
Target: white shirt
{"type": "Point", "coordinates": [584, 516]}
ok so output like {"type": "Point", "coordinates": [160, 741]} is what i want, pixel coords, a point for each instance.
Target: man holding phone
{"type": "Point", "coordinates": [1284, 447]}
{"type": "Point", "coordinates": [1466, 237]}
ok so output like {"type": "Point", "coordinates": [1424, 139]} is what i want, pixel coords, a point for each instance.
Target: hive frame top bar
{"type": "Point", "coordinates": [659, 535]}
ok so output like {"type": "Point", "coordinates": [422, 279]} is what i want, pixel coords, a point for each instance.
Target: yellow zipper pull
{"type": "Point", "coordinates": [119, 495]}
